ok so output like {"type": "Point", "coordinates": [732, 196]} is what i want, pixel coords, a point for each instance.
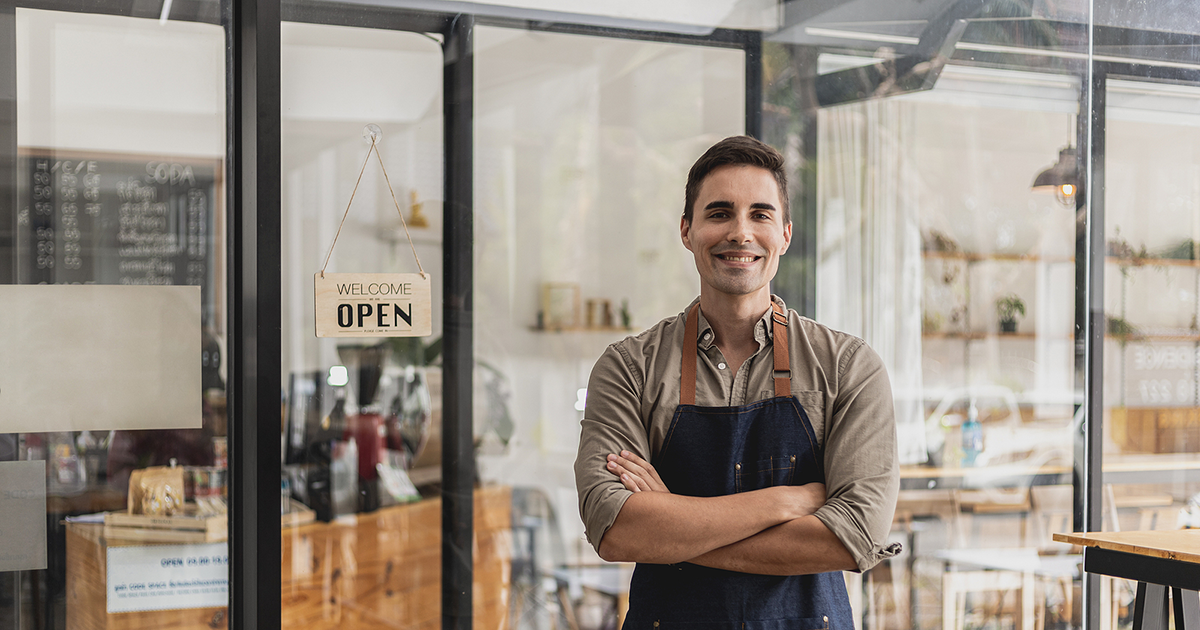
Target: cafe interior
{"type": "Point", "coordinates": [1002, 197]}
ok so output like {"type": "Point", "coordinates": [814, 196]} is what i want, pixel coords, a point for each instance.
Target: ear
{"type": "Point", "coordinates": [685, 227]}
{"type": "Point", "coordinates": [787, 238]}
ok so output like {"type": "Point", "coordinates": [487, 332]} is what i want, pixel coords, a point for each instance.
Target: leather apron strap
{"type": "Point", "coordinates": [783, 365]}
{"type": "Point", "coordinates": [687, 373]}
{"type": "Point", "coordinates": [779, 334]}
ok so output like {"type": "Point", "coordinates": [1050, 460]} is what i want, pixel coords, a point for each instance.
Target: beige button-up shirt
{"type": "Point", "coordinates": [840, 381]}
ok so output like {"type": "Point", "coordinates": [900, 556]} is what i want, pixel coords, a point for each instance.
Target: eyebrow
{"type": "Point", "coordinates": [760, 205]}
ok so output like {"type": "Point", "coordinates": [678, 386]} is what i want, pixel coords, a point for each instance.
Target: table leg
{"type": "Point", "coordinates": [1187, 609]}
{"type": "Point", "coordinates": [1150, 607]}
{"type": "Point", "coordinates": [911, 565]}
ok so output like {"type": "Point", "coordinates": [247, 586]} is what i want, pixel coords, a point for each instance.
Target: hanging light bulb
{"type": "Point", "coordinates": [1062, 179]}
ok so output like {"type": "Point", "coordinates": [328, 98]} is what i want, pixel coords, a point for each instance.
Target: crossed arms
{"type": "Point", "coordinates": [779, 530]}
{"type": "Point", "coordinates": [770, 531]}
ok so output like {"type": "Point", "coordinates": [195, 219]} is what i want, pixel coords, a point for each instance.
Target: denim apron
{"type": "Point", "coordinates": [714, 451]}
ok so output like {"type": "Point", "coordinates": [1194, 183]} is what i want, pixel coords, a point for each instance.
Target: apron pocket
{"type": "Point", "coordinates": [688, 625]}
{"type": "Point", "coordinates": [809, 623]}
{"type": "Point", "coordinates": [775, 471]}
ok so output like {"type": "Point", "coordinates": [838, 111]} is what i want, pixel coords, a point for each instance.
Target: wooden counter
{"type": "Point", "coordinates": [376, 570]}
{"type": "Point", "coordinates": [87, 592]}
{"type": "Point", "coordinates": [383, 569]}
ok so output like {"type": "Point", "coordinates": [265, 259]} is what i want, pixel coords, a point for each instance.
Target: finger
{"type": "Point", "coordinates": [633, 457]}
{"type": "Point", "coordinates": [624, 473]}
{"type": "Point", "coordinates": [646, 470]}
{"type": "Point", "coordinates": [630, 483]}
{"type": "Point", "coordinates": [639, 462]}
{"type": "Point", "coordinates": [617, 469]}
{"type": "Point", "coordinates": [634, 463]}
{"type": "Point", "coordinates": [638, 482]}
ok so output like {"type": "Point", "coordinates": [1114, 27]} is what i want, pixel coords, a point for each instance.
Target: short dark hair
{"type": "Point", "coordinates": [736, 151]}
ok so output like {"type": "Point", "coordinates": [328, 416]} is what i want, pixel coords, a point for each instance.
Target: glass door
{"type": "Point", "coordinates": [361, 544]}
{"type": "Point", "coordinates": [934, 241]}
{"type": "Point", "coordinates": [114, 453]}
{"type": "Point", "coordinates": [1151, 432]}
{"type": "Point", "coordinates": [574, 138]}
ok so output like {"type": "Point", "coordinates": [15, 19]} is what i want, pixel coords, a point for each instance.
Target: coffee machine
{"type": "Point", "coordinates": [367, 427]}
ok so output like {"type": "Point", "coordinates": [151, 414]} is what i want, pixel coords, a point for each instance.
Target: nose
{"type": "Point", "coordinates": [739, 230]}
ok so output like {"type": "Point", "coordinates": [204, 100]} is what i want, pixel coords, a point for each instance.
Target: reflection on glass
{"type": "Point", "coordinates": [120, 182]}
{"type": "Point", "coordinates": [582, 150]}
{"type": "Point", "coordinates": [1152, 431]}
{"type": "Point", "coordinates": [934, 249]}
{"type": "Point", "coordinates": [361, 434]}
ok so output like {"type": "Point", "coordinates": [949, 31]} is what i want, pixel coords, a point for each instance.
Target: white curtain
{"type": "Point", "coordinates": [869, 273]}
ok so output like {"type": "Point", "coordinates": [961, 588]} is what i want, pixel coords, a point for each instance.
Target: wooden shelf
{"type": "Point", "coordinates": [979, 335]}
{"type": "Point", "coordinates": [1152, 262]}
{"type": "Point", "coordinates": [974, 257]}
{"type": "Point", "coordinates": [573, 329]}
{"type": "Point", "coordinates": [1140, 337]}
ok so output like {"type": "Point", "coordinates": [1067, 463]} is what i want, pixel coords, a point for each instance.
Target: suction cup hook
{"type": "Point", "coordinates": [372, 133]}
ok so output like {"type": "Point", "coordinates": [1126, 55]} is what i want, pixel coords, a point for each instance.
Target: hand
{"type": "Point", "coordinates": [637, 475]}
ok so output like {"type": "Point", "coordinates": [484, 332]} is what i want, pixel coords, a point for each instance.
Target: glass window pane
{"type": "Point", "coordinates": [924, 137]}
{"type": "Point", "coordinates": [1146, 95]}
{"type": "Point", "coordinates": [361, 545]}
{"type": "Point", "coordinates": [1151, 277]}
{"type": "Point", "coordinates": [582, 149]}
{"type": "Point", "coordinates": [120, 205]}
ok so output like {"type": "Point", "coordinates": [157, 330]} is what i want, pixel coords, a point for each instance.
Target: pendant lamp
{"type": "Point", "coordinates": [1062, 179]}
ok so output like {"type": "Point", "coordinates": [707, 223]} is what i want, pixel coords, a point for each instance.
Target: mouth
{"type": "Point", "coordinates": [738, 258]}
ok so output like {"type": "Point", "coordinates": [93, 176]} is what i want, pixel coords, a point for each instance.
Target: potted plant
{"type": "Point", "coordinates": [1007, 308]}
{"type": "Point", "coordinates": [1120, 328]}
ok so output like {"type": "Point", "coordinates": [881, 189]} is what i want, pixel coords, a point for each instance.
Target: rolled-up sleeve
{"type": "Point", "coordinates": [862, 475]}
{"type": "Point", "coordinates": [611, 423]}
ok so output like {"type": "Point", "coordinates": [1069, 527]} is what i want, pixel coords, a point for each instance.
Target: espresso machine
{"type": "Point", "coordinates": [367, 427]}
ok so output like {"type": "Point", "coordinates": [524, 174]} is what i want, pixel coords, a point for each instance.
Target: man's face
{"type": "Point", "coordinates": [737, 231]}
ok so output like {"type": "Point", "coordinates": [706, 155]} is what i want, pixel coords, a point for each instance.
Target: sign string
{"type": "Point", "coordinates": [375, 150]}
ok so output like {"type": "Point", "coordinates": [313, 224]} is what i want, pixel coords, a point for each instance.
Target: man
{"type": "Point", "coordinates": [742, 455]}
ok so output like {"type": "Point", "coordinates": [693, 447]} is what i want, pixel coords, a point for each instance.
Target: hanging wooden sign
{"type": "Point", "coordinates": [373, 305]}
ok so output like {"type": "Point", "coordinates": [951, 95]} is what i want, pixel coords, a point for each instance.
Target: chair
{"type": "Point", "coordinates": [540, 599]}
{"type": "Point", "coordinates": [1158, 518]}
{"type": "Point", "coordinates": [1053, 511]}
{"type": "Point", "coordinates": [916, 511]}
{"type": "Point", "coordinates": [977, 567]}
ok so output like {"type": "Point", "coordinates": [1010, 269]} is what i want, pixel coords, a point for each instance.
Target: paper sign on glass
{"type": "Point", "coordinates": [373, 305]}
{"type": "Point", "coordinates": [23, 516]}
{"type": "Point", "coordinates": [167, 577]}
{"type": "Point", "coordinates": [99, 357]}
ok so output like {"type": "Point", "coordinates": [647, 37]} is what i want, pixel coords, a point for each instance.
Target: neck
{"type": "Point", "coordinates": [733, 317]}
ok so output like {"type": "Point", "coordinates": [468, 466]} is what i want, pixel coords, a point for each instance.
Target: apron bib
{"type": "Point", "coordinates": [715, 451]}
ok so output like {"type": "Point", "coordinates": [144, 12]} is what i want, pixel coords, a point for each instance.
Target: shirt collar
{"type": "Point", "coordinates": [763, 330]}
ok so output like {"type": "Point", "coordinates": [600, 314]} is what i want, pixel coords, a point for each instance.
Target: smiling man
{"type": "Point", "coordinates": [742, 455]}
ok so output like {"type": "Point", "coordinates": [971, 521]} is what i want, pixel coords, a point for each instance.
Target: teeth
{"type": "Point", "coordinates": [745, 259]}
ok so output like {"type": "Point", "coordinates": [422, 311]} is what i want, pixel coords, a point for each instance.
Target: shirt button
{"type": "Point", "coordinates": [707, 335]}
{"type": "Point", "coordinates": [720, 366]}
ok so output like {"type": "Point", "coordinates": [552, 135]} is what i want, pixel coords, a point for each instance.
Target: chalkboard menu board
{"type": "Point", "coordinates": [96, 218]}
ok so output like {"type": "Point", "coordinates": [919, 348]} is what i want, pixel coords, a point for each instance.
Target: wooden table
{"type": "Point", "coordinates": [1118, 470]}
{"type": "Point", "coordinates": [1158, 560]}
